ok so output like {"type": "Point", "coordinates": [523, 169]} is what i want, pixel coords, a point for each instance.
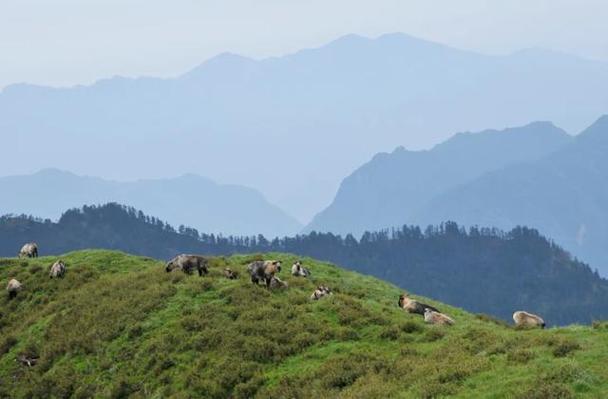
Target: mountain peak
{"type": "Point", "coordinates": [54, 172]}
{"type": "Point", "coordinates": [597, 131]}
{"type": "Point", "coordinates": [351, 38]}
{"type": "Point", "coordinates": [222, 62]}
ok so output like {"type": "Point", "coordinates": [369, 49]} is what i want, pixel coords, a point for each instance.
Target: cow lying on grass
{"type": "Point", "coordinates": [320, 292]}
{"type": "Point", "coordinates": [413, 306]}
{"type": "Point", "coordinates": [433, 317]}
{"type": "Point", "coordinates": [230, 274]}
{"type": "Point", "coordinates": [277, 283]}
{"type": "Point", "coordinates": [299, 271]}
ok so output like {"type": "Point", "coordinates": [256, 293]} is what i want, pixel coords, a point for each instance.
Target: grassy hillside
{"type": "Point", "coordinates": [120, 326]}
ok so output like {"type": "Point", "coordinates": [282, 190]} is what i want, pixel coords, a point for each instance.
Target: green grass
{"type": "Point", "coordinates": [120, 326]}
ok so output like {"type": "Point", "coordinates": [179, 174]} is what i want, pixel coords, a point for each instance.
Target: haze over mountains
{"type": "Point", "coordinates": [189, 200]}
{"type": "Point", "coordinates": [293, 126]}
{"type": "Point", "coordinates": [564, 195]}
{"type": "Point", "coordinates": [392, 188]}
{"type": "Point", "coordinates": [534, 176]}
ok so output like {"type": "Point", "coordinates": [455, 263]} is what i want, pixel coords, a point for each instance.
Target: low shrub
{"type": "Point", "coordinates": [35, 269]}
{"type": "Point", "coordinates": [491, 319]}
{"type": "Point", "coordinates": [407, 351]}
{"type": "Point", "coordinates": [390, 333]}
{"type": "Point", "coordinates": [520, 356]}
{"type": "Point", "coordinates": [435, 389]}
{"type": "Point", "coordinates": [7, 343]}
{"type": "Point", "coordinates": [571, 373]}
{"type": "Point", "coordinates": [564, 347]}
{"type": "Point", "coordinates": [433, 334]}
{"type": "Point", "coordinates": [548, 390]}
{"type": "Point", "coordinates": [342, 372]}
{"type": "Point", "coordinates": [600, 325]}
{"type": "Point", "coordinates": [410, 327]}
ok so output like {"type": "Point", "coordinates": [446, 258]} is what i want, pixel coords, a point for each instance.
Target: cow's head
{"type": "Point", "coordinates": [169, 266]}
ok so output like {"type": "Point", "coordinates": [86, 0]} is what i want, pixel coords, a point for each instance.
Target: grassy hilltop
{"type": "Point", "coordinates": [120, 326]}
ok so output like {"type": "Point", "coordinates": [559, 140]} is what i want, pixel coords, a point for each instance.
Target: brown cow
{"type": "Point", "coordinates": [413, 306]}
{"type": "Point", "coordinates": [263, 271]}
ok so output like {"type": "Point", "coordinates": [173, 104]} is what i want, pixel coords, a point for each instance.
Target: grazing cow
{"type": "Point", "coordinates": [413, 306]}
{"type": "Point", "coordinates": [230, 274]}
{"type": "Point", "coordinates": [299, 271]}
{"type": "Point", "coordinates": [263, 271]}
{"type": "Point", "coordinates": [525, 319]}
{"type": "Point", "coordinates": [58, 269]}
{"type": "Point", "coordinates": [434, 317]}
{"type": "Point", "coordinates": [13, 287]}
{"type": "Point", "coordinates": [187, 264]}
{"type": "Point", "coordinates": [277, 283]}
{"type": "Point", "coordinates": [29, 250]}
{"type": "Point", "coordinates": [320, 292]}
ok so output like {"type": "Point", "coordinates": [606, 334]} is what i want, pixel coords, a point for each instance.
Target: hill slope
{"type": "Point", "coordinates": [120, 326]}
{"type": "Point", "coordinates": [392, 188]}
{"type": "Point", "coordinates": [260, 123]}
{"type": "Point", "coordinates": [186, 200]}
{"type": "Point", "coordinates": [564, 194]}
{"type": "Point", "coordinates": [481, 270]}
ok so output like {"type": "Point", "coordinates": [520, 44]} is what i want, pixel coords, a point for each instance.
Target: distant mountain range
{"type": "Point", "coordinates": [481, 270]}
{"type": "Point", "coordinates": [533, 176]}
{"type": "Point", "coordinates": [187, 200]}
{"type": "Point", "coordinates": [392, 188]}
{"type": "Point", "coordinates": [564, 195]}
{"type": "Point", "coordinates": [292, 126]}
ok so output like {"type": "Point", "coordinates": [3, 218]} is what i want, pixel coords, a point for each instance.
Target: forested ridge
{"type": "Point", "coordinates": [481, 269]}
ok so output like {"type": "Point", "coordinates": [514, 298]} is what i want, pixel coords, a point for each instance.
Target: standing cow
{"type": "Point", "coordinates": [263, 270]}
{"type": "Point", "coordinates": [187, 264]}
{"type": "Point", "coordinates": [57, 270]}
{"type": "Point", "coordinates": [13, 287]}
{"type": "Point", "coordinates": [29, 250]}
{"type": "Point", "coordinates": [525, 319]}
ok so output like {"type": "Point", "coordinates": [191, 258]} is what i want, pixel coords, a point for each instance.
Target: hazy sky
{"type": "Point", "coordinates": [64, 42]}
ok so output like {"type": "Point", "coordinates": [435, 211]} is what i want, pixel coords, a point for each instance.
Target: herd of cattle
{"type": "Point", "coordinates": [260, 271]}
{"type": "Point", "coordinates": [264, 271]}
